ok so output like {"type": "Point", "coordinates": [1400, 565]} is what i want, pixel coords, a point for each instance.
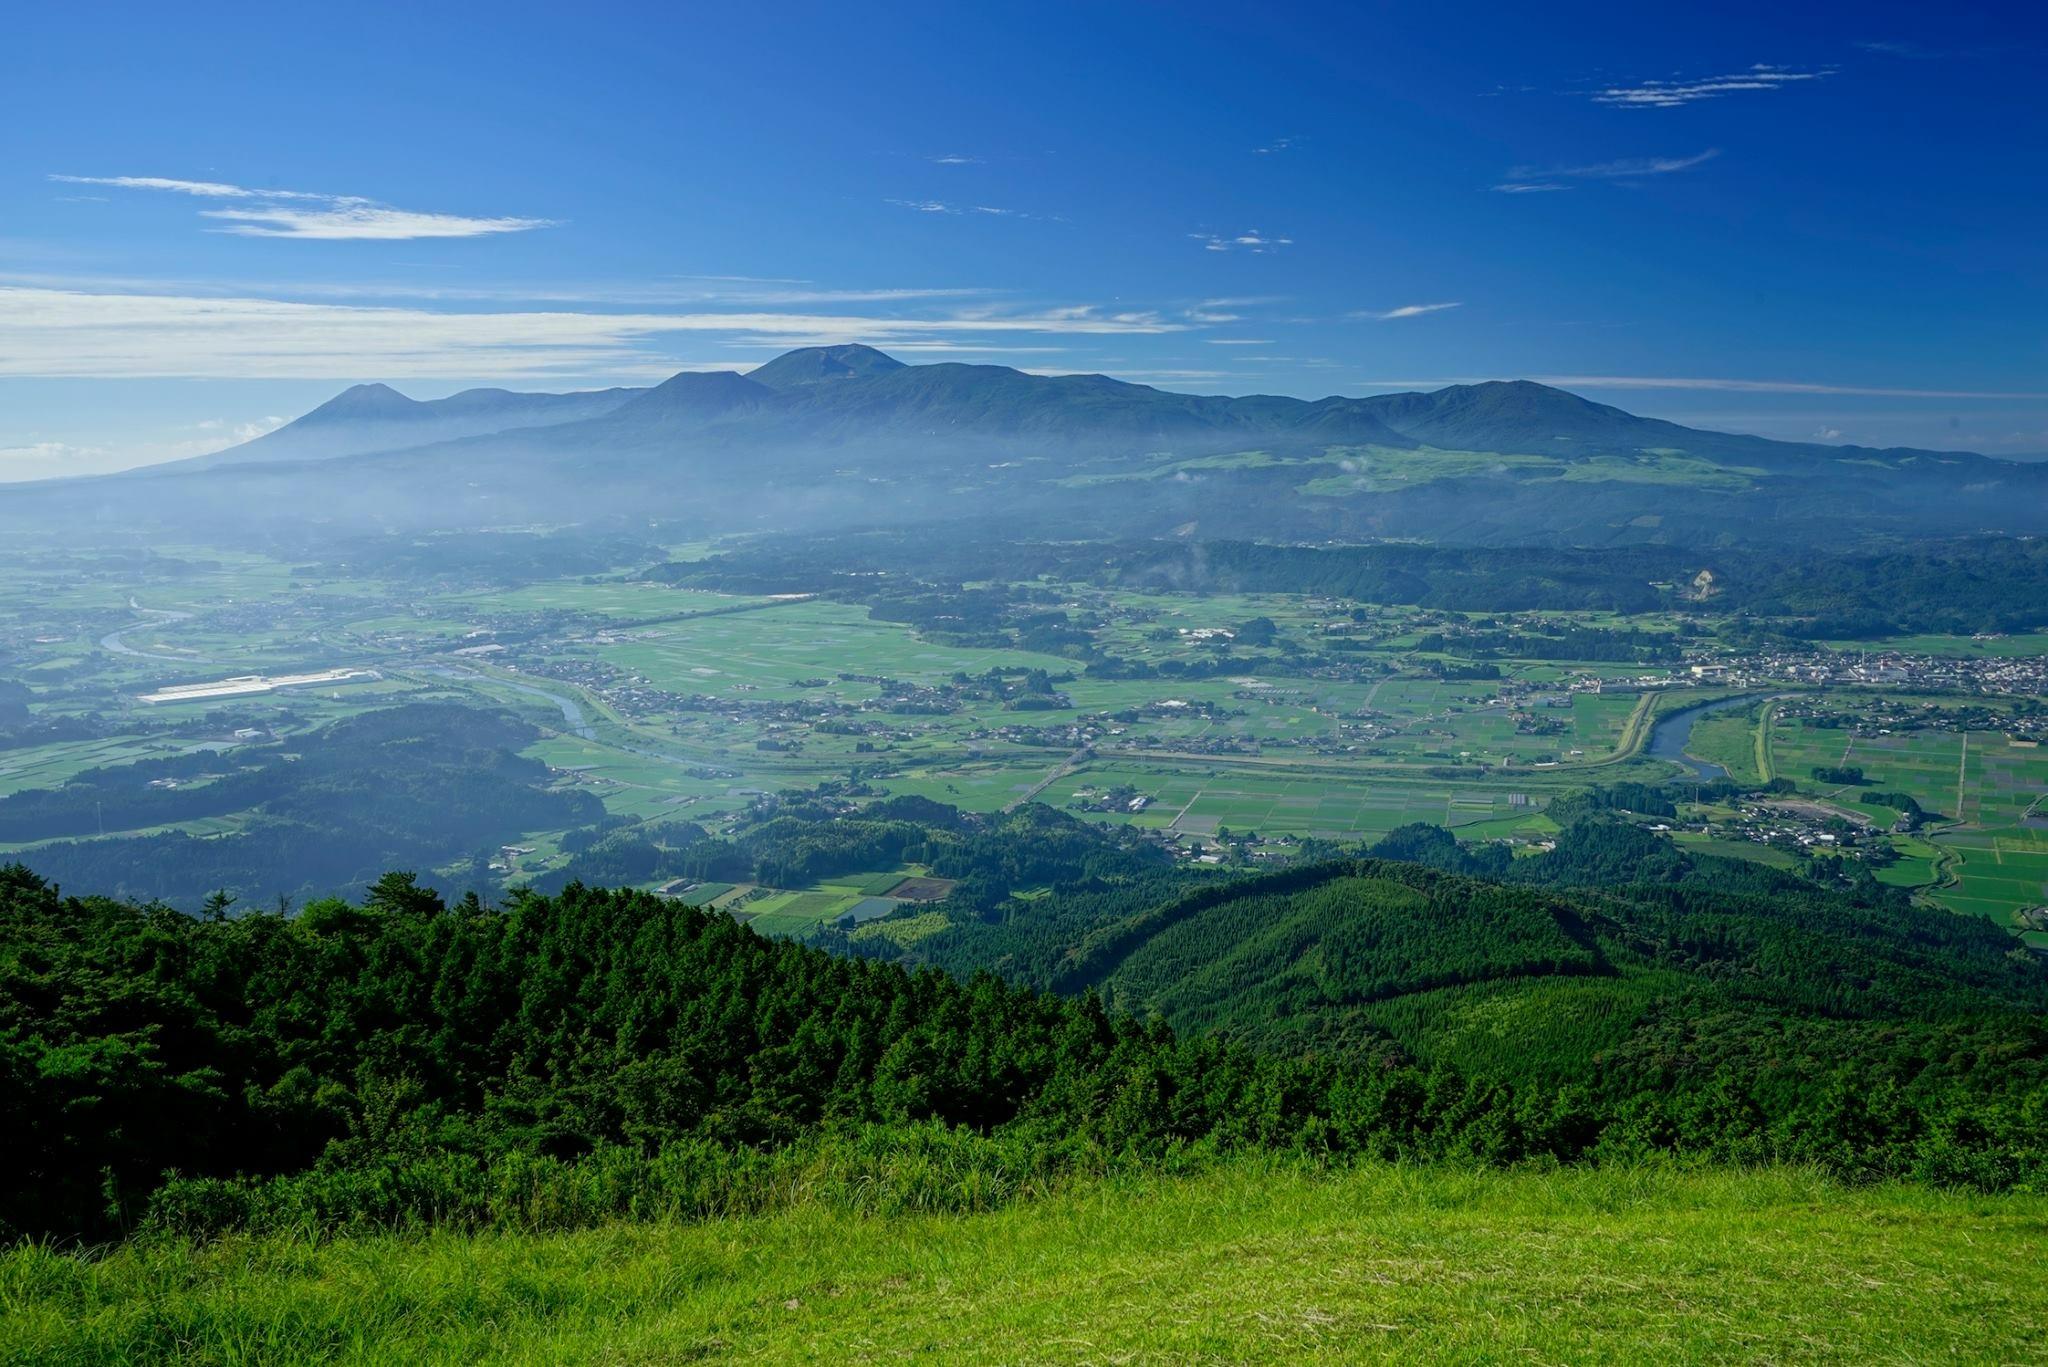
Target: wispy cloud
{"type": "Point", "coordinates": [954, 159]}
{"type": "Point", "coordinates": [52, 459]}
{"type": "Point", "coordinates": [689, 289]}
{"type": "Point", "coordinates": [1275, 146]}
{"type": "Point", "coordinates": [1250, 240]}
{"type": "Point", "coordinates": [1239, 341]}
{"type": "Point", "coordinates": [1736, 386]}
{"type": "Point", "coordinates": [1404, 311]}
{"type": "Point", "coordinates": [1524, 180]}
{"type": "Point", "coordinates": [202, 189]}
{"type": "Point", "coordinates": [1670, 94]}
{"type": "Point", "coordinates": [1159, 376]}
{"type": "Point", "coordinates": [940, 206]}
{"type": "Point", "coordinates": [1626, 168]}
{"type": "Point", "coordinates": [363, 222]}
{"type": "Point", "coordinates": [314, 217]}
{"type": "Point", "coordinates": [1770, 387]}
{"type": "Point", "coordinates": [76, 333]}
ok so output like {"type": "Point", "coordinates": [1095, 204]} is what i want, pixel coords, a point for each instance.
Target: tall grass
{"type": "Point", "coordinates": [1253, 1259]}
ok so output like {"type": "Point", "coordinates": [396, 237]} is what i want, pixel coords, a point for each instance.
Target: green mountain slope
{"type": "Point", "coordinates": [405, 1060]}
{"type": "Point", "coordinates": [1716, 972]}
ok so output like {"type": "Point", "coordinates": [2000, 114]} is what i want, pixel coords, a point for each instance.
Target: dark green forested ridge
{"type": "Point", "coordinates": [1963, 585]}
{"type": "Point", "coordinates": [405, 1060]}
{"type": "Point", "coordinates": [421, 785]}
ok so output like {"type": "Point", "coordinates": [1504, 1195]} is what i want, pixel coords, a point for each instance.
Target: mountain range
{"type": "Point", "coordinates": [375, 417]}
{"type": "Point", "coordinates": [847, 435]}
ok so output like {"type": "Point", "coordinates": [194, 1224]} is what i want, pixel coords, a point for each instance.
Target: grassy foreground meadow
{"type": "Point", "coordinates": [1253, 1261]}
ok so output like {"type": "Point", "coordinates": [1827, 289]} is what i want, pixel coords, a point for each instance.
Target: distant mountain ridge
{"type": "Point", "coordinates": [848, 436]}
{"type": "Point", "coordinates": [856, 392]}
{"type": "Point", "coordinates": [368, 418]}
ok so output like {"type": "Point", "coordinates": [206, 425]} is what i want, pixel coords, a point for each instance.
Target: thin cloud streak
{"type": "Point", "coordinates": [1771, 387]}
{"type": "Point", "coordinates": [1672, 94]}
{"type": "Point", "coordinates": [697, 289]}
{"type": "Point", "coordinates": [66, 333]}
{"type": "Point", "coordinates": [951, 210]}
{"type": "Point", "coordinates": [1706, 383]}
{"type": "Point", "coordinates": [1405, 311]}
{"type": "Point", "coordinates": [1524, 180]}
{"type": "Point", "coordinates": [327, 218]}
{"type": "Point", "coordinates": [1250, 240]}
{"type": "Point", "coordinates": [202, 189]}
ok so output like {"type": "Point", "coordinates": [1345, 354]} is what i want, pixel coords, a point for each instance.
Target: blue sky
{"type": "Point", "coordinates": [1811, 221]}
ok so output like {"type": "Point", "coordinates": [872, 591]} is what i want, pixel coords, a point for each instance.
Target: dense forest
{"type": "Point", "coordinates": [801, 842]}
{"type": "Point", "coordinates": [1965, 585]}
{"type": "Point", "coordinates": [420, 786]}
{"type": "Point", "coordinates": [590, 1054]}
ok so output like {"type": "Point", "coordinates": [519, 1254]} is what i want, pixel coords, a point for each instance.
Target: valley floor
{"type": "Point", "coordinates": [1251, 1262]}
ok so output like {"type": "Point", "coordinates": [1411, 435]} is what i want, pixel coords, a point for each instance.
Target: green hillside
{"type": "Point", "coordinates": [406, 1061]}
{"type": "Point", "coordinates": [1252, 1262]}
{"type": "Point", "coordinates": [1346, 939]}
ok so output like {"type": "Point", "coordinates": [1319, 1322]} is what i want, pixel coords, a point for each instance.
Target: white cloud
{"type": "Point", "coordinates": [1671, 94]}
{"type": "Point", "coordinates": [954, 159]}
{"type": "Point", "coordinates": [363, 222]}
{"type": "Point", "coordinates": [1523, 180]}
{"type": "Point", "coordinates": [1162, 376]}
{"type": "Point", "coordinates": [1239, 341]}
{"type": "Point", "coordinates": [203, 189]}
{"type": "Point", "coordinates": [940, 206]}
{"type": "Point", "coordinates": [1405, 311]}
{"type": "Point", "coordinates": [693, 289]}
{"type": "Point", "coordinates": [1250, 240]}
{"type": "Point", "coordinates": [73, 333]}
{"type": "Point", "coordinates": [1277, 145]}
{"type": "Point", "coordinates": [55, 459]}
{"type": "Point", "coordinates": [249, 431]}
{"type": "Point", "coordinates": [1626, 168]}
{"type": "Point", "coordinates": [50, 460]}
{"type": "Point", "coordinates": [329, 218]}
{"type": "Point", "coordinates": [1768, 387]}
{"type": "Point", "coordinates": [1709, 383]}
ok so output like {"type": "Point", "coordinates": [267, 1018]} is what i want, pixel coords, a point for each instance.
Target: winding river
{"type": "Point", "coordinates": [575, 722]}
{"type": "Point", "coordinates": [153, 617]}
{"type": "Point", "coordinates": [1673, 733]}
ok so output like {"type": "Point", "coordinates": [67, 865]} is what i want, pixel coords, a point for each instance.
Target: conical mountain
{"type": "Point", "coordinates": [364, 403]}
{"type": "Point", "coordinates": [818, 364]}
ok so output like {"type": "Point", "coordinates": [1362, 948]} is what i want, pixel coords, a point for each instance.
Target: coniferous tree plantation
{"type": "Point", "coordinates": [402, 1062]}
